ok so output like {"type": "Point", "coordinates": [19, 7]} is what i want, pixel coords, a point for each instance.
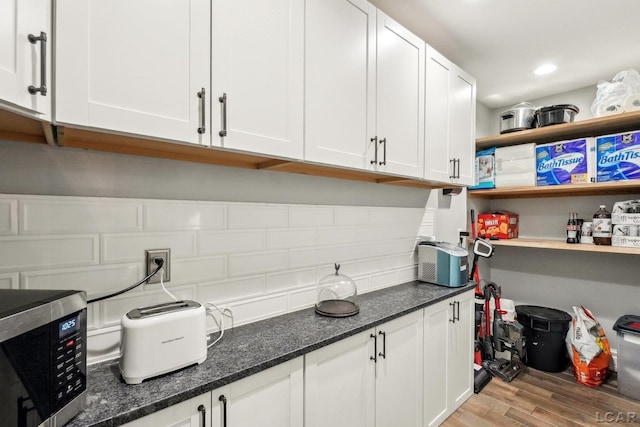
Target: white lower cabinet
{"type": "Point", "coordinates": [195, 412]}
{"type": "Point", "coordinates": [448, 356]}
{"type": "Point", "coordinates": [272, 398]}
{"type": "Point", "coordinates": [370, 379]}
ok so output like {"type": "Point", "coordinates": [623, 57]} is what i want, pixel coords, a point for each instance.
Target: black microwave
{"type": "Point", "coordinates": [43, 357]}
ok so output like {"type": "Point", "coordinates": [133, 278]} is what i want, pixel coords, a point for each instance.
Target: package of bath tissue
{"type": "Point", "coordinates": [618, 157]}
{"type": "Point", "coordinates": [566, 162]}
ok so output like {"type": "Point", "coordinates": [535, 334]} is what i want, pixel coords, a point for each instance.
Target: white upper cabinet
{"type": "Point", "coordinates": [364, 89]}
{"type": "Point", "coordinates": [340, 70]}
{"type": "Point", "coordinates": [450, 116]}
{"type": "Point", "coordinates": [399, 99]}
{"type": "Point", "coordinates": [134, 66]}
{"type": "Point", "coordinates": [257, 75]}
{"type": "Point", "coordinates": [25, 56]}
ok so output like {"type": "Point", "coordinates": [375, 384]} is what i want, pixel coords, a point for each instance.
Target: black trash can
{"type": "Point", "coordinates": [545, 330]}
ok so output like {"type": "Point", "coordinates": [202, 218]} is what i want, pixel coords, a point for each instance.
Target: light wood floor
{"type": "Point", "coordinates": [537, 398]}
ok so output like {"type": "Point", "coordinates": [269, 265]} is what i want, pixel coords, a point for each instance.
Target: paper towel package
{"type": "Point", "coordinates": [485, 169]}
{"type": "Point", "coordinates": [565, 162]}
{"type": "Point", "coordinates": [527, 179]}
{"type": "Point", "coordinates": [618, 157]}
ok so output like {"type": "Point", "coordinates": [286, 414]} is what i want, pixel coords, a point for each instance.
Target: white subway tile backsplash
{"type": "Point", "coordinates": [8, 217]}
{"type": "Point", "coordinates": [310, 216]}
{"type": "Point", "coordinates": [96, 281]}
{"type": "Point", "coordinates": [299, 258]}
{"type": "Point", "coordinates": [291, 238]}
{"type": "Point", "coordinates": [9, 281]}
{"type": "Point", "coordinates": [260, 259]}
{"type": "Point", "coordinates": [184, 216]}
{"type": "Point", "coordinates": [351, 216]}
{"type": "Point", "coordinates": [259, 308]}
{"type": "Point", "coordinates": [257, 262]}
{"type": "Point", "coordinates": [130, 247]}
{"type": "Point", "coordinates": [302, 298]}
{"type": "Point", "coordinates": [30, 252]}
{"type": "Point", "coordinates": [231, 290]}
{"type": "Point", "coordinates": [49, 215]}
{"type": "Point", "coordinates": [243, 216]}
{"type": "Point", "coordinates": [228, 241]}
{"type": "Point", "coordinates": [384, 280]}
{"type": "Point", "coordinates": [291, 279]}
{"type": "Point", "coordinates": [197, 270]}
{"type": "Point", "coordinates": [337, 235]}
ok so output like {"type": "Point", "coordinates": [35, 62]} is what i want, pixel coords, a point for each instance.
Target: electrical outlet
{"type": "Point", "coordinates": [152, 254]}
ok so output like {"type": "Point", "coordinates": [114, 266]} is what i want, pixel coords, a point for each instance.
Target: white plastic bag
{"type": "Point", "coordinates": [620, 95]}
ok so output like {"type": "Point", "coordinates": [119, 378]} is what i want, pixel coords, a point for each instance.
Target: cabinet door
{"type": "Point", "coordinates": [257, 62]}
{"type": "Point", "coordinates": [460, 351]}
{"type": "Point", "coordinates": [399, 98]}
{"type": "Point", "coordinates": [340, 81]}
{"type": "Point", "coordinates": [20, 60]}
{"type": "Point", "coordinates": [195, 412]}
{"type": "Point", "coordinates": [436, 362]}
{"type": "Point", "coordinates": [272, 398]}
{"type": "Point", "coordinates": [135, 66]}
{"type": "Point", "coordinates": [463, 129]}
{"type": "Point", "coordinates": [399, 372]}
{"type": "Point", "coordinates": [437, 166]}
{"type": "Point", "coordinates": [340, 383]}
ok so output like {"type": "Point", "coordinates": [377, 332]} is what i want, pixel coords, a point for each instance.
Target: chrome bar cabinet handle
{"type": "Point", "coordinates": [375, 145]}
{"type": "Point", "coordinates": [203, 102]}
{"type": "Point", "coordinates": [203, 415]}
{"type": "Point", "coordinates": [223, 399]}
{"type": "Point", "coordinates": [223, 112]}
{"type": "Point", "coordinates": [383, 354]}
{"type": "Point", "coordinates": [43, 63]}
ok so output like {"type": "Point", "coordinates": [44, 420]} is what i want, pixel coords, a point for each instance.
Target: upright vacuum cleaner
{"type": "Point", "coordinates": [506, 335]}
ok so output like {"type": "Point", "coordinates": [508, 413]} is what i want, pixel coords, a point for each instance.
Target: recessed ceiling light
{"type": "Point", "coordinates": [545, 69]}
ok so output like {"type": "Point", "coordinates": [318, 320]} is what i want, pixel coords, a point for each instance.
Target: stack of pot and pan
{"type": "Point", "coordinates": [526, 116]}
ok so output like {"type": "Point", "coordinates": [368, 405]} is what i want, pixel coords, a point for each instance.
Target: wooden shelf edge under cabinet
{"type": "Point", "coordinates": [598, 126]}
{"type": "Point", "coordinates": [594, 189]}
{"type": "Point", "coordinates": [524, 242]}
{"type": "Point", "coordinates": [16, 127]}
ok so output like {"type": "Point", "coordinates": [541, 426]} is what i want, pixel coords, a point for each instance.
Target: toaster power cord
{"type": "Point", "coordinates": [211, 308]}
{"type": "Point", "coordinates": [159, 262]}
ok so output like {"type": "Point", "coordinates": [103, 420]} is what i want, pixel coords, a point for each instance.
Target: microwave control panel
{"type": "Point", "coordinates": [69, 358]}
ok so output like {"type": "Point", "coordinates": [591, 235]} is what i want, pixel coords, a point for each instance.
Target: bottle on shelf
{"type": "Point", "coordinates": [602, 227]}
{"type": "Point", "coordinates": [572, 228]}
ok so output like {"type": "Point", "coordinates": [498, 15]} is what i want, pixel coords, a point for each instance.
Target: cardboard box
{"type": "Point", "coordinates": [618, 157]}
{"type": "Point", "coordinates": [565, 162]}
{"type": "Point", "coordinates": [502, 224]}
{"type": "Point", "coordinates": [626, 212]}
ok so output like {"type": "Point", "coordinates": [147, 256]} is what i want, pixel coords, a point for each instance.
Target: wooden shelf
{"type": "Point", "coordinates": [17, 127]}
{"type": "Point", "coordinates": [599, 126]}
{"type": "Point", "coordinates": [568, 190]}
{"type": "Point", "coordinates": [522, 242]}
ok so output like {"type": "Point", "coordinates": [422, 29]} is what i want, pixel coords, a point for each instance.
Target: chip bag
{"type": "Point", "coordinates": [588, 348]}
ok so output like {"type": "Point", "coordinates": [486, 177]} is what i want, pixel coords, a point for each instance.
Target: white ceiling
{"type": "Point", "coordinates": [500, 42]}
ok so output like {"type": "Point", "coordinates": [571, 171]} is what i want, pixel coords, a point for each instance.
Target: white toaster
{"type": "Point", "coordinates": [162, 338]}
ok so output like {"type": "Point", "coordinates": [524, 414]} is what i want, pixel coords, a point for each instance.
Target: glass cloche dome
{"type": "Point", "coordinates": [336, 295]}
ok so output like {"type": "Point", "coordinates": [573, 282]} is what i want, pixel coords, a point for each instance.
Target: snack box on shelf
{"type": "Point", "coordinates": [618, 157]}
{"type": "Point", "coordinates": [501, 224]}
{"type": "Point", "coordinates": [565, 162]}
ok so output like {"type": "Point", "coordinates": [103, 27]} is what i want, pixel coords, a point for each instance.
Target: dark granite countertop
{"type": "Point", "coordinates": [246, 350]}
